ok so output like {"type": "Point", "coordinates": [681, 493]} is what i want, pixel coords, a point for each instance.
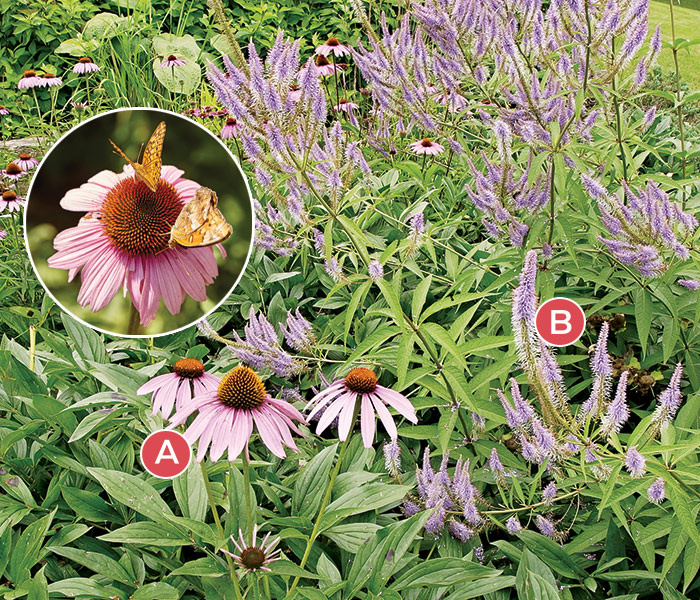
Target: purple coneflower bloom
{"type": "Point", "coordinates": [10, 201]}
{"type": "Point", "coordinates": [229, 129]}
{"type": "Point", "coordinates": [426, 146]}
{"type": "Point", "coordinates": [657, 491]}
{"type": "Point", "coordinates": [79, 105]}
{"type": "Point", "coordinates": [29, 80]}
{"type": "Point", "coordinates": [333, 46]}
{"type": "Point", "coordinates": [26, 161]}
{"type": "Point", "coordinates": [173, 61]}
{"type": "Point", "coordinates": [635, 463]}
{"type": "Point", "coordinates": [254, 557]}
{"type": "Point", "coordinates": [50, 80]}
{"type": "Point", "coordinates": [345, 105]}
{"type": "Point", "coordinates": [187, 380]}
{"type": "Point", "coordinates": [123, 241]}
{"type": "Point", "coordinates": [324, 67]}
{"type": "Point", "coordinates": [85, 65]}
{"type": "Point", "coordinates": [13, 171]}
{"type": "Point", "coordinates": [4, 111]}
{"type": "Point", "coordinates": [360, 385]}
{"type": "Point", "coordinates": [227, 414]}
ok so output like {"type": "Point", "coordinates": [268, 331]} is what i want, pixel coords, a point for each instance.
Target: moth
{"type": "Point", "coordinates": [148, 170]}
{"type": "Point", "coordinates": [200, 223]}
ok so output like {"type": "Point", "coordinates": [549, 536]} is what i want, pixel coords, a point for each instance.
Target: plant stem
{"type": "Point", "coordinates": [324, 504]}
{"type": "Point", "coordinates": [679, 106]}
{"type": "Point", "coordinates": [133, 326]}
{"type": "Point", "coordinates": [551, 205]}
{"type": "Point", "coordinates": [246, 487]}
{"type": "Point", "coordinates": [32, 346]}
{"type": "Point", "coordinates": [220, 529]}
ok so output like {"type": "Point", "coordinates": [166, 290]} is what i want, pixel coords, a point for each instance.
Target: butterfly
{"type": "Point", "coordinates": [148, 170]}
{"type": "Point", "coordinates": [200, 223]}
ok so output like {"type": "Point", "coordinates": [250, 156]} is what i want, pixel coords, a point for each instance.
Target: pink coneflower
{"type": "Point", "coordinates": [295, 92]}
{"type": "Point", "coordinates": [172, 61]}
{"type": "Point", "coordinates": [426, 146]}
{"type": "Point", "coordinates": [3, 234]}
{"type": "Point", "coordinates": [50, 80]}
{"type": "Point", "coordinates": [324, 67]}
{"type": "Point", "coordinates": [26, 161]}
{"type": "Point", "coordinates": [85, 65]}
{"type": "Point", "coordinates": [79, 105]}
{"type": "Point", "coordinates": [227, 416]}
{"type": "Point", "coordinates": [29, 80]}
{"type": "Point", "coordinates": [360, 385]}
{"type": "Point", "coordinates": [454, 102]}
{"type": "Point", "coordinates": [123, 241]}
{"type": "Point", "coordinates": [13, 171]}
{"type": "Point", "coordinates": [187, 380]}
{"type": "Point", "coordinates": [345, 105]}
{"type": "Point", "coordinates": [230, 129]}
{"type": "Point", "coordinates": [333, 46]}
{"type": "Point", "coordinates": [4, 111]}
{"type": "Point", "coordinates": [254, 557]}
{"type": "Point", "coordinates": [10, 201]}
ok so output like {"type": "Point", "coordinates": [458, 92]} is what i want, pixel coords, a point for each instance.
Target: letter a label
{"type": "Point", "coordinates": [165, 454]}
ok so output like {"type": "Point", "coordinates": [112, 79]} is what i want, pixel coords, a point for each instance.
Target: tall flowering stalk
{"type": "Point", "coordinates": [644, 228]}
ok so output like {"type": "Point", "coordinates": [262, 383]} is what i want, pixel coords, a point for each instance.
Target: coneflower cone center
{"type": "Point", "coordinates": [9, 196]}
{"type": "Point", "coordinates": [361, 380]}
{"type": "Point", "coordinates": [137, 220]}
{"type": "Point", "coordinates": [25, 156]}
{"type": "Point", "coordinates": [242, 388]}
{"type": "Point", "coordinates": [189, 367]}
{"type": "Point", "coordinates": [13, 169]}
{"type": "Point", "coordinates": [253, 558]}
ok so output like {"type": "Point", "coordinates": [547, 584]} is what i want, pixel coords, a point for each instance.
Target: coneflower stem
{"type": "Point", "coordinates": [246, 487]}
{"type": "Point", "coordinates": [220, 529]}
{"type": "Point", "coordinates": [133, 326]}
{"type": "Point", "coordinates": [32, 346]}
{"type": "Point", "coordinates": [322, 510]}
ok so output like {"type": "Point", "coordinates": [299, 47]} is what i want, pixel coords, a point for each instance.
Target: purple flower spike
{"type": "Point", "coordinates": [657, 491]}
{"type": "Point", "coordinates": [635, 463]}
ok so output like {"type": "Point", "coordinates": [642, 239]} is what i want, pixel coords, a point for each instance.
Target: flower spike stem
{"type": "Point", "coordinates": [32, 346]}
{"type": "Point", "coordinates": [679, 104]}
{"type": "Point", "coordinates": [324, 503]}
{"type": "Point", "coordinates": [220, 529]}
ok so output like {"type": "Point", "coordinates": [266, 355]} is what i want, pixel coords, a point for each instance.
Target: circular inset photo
{"type": "Point", "coordinates": [139, 222]}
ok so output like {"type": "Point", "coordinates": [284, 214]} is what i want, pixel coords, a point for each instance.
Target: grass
{"type": "Point", "coordinates": [687, 26]}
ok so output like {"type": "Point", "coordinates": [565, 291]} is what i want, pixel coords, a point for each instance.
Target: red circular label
{"type": "Point", "coordinates": [165, 454]}
{"type": "Point", "coordinates": [560, 321]}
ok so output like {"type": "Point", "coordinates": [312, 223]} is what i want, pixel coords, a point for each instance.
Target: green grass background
{"type": "Point", "coordinates": [687, 20]}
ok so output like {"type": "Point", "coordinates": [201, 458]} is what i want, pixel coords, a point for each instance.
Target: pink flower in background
{"type": "Point", "coordinates": [29, 80]}
{"type": "Point", "coordinates": [253, 557]}
{"type": "Point", "coordinates": [333, 46]}
{"type": "Point", "coordinates": [4, 111]}
{"type": "Point", "coordinates": [3, 234]}
{"type": "Point", "coordinates": [226, 417]}
{"type": "Point", "coordinates": [324, 67]}
{"type": "Point", "coordinates": [230, 129]}
{"type": "Point", "coordinates": [340, 398]}
{"type": "Point", "coordinates": [122, 241]}
{"type": "Point", "coordinates": [85, 65]}
{"type": "Point", "coordinates": [426, 146]}
{"type": "Point", "coordinates": [26, 161]}
{"type": "Point", "coordinates": [10, 201]}
{"type": "Point", "coordinates": [173, 61]}
{"type": "Point", "coordinates": [13, 171]}
{"type": "Point", "coordinates": [187, 380]}
{"type": "Point", "coordinates": [345, 106]}
{"type": "Point", "coordinates": [50, 80]}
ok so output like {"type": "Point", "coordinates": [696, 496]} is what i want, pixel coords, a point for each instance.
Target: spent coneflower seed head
{"type": "Point", "coordinates": [241, 388]}
{"type": "Point", "coordinates": [253, 558]}
{"type": "Point", "coordinates": [361, 380]}
{"type": "Point", "coordinates": [189, 367]}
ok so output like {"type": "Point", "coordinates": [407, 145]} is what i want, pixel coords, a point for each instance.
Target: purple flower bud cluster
{"type": "Point", "coordinates": [635, 463]}
{"type": "Point", "coordinates": [601, 367]}
{"type": "Point", "coordinates": [669, 401]}
{"type": "Point", "coordinates": [656, 492]}
{"type": "Point", "coordinates": [499, 195]}
{"type": "Point", "coordinates": [644, 228]}
{"type": "Point", "coordinates": [392, 458]}
{"type": "Point", "coordinates": [617, 412]}
{"type": "Point", "coordinates": [448, 497]}
{"type": "Point", "coordinates": [298, 333]}
{"type": "Point", "coordinates": [261, 348]}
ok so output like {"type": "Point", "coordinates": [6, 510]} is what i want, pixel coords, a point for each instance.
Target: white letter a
{"type": "Point", "coordinates": [170, 455]}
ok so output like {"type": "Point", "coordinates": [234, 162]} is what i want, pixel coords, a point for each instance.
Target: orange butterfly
{"type": "Point", "coordinates": [148, 171]}
{"type": "Point", "coordinates": [200, 223]}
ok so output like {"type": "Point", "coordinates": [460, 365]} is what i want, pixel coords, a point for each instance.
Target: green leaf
{"type": "Point", "coordinates": [88, 505]}
{"type": "Point", "coordinates": [440, 335]}
{"type": "Point", "coordinates": [350, 536]}
{"type": "Point", "coordinates": [289, 569]}
{"type": "Point", "coordinates": [311, 485]}
{"type": "Point", "coordinates": [28, 551]}
{"type": "Point", "coordinates": [552, 554]}
{"type": "Point", "coordinates": [643, 316]}
{"type": "Point", "coordinates": [482, 587]}
{"type": "Point", "coordinates": [392, 299]}
{"type": "Point", "coordinates": [86, 341]}
{"type": "Point", "coordinates": [190, 493]}
{"type": "Point", "coordinates": [99, 563]}
{"type": "Point", "coordinates": [133, 493]}
{"type": "Point", "coordinates": [156, 591]}
{"type": "Point", "coordinates": [147, 534]}
{"type": "Point", "coordinates": [419, 296]}
{"type": "Point", "coordinates": [75, 587]}
{"type": "Point", "coordinates": [442, 572]}
{"type": "Point", "coordinates": [362, 499]}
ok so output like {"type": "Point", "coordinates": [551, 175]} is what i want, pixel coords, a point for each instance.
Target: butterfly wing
{"type": "Point", "coordinates": [152, 157]}
{"type": "Point", "coordinates": [120, 152]}
{"type": "Point", "coordinates": [200, 223]}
